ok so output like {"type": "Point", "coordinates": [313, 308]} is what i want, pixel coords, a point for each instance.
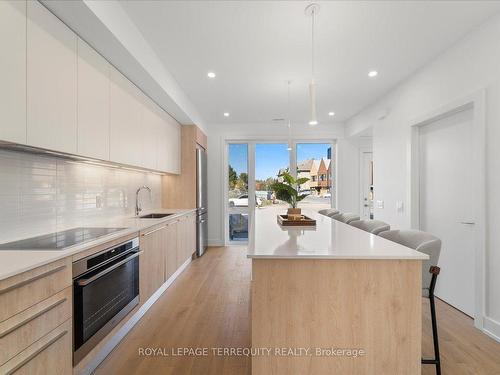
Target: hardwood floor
{"type": "Point", "coordinates": [208, 306]}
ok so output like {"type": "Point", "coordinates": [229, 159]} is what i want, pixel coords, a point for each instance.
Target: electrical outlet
{"type": "Point", "coordinates": [380, 204]}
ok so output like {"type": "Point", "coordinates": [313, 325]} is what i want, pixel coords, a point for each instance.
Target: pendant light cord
{"type": "Point", "coordinates": [313, 14]}
{"type": "Point", "coordinates": [289, 120]}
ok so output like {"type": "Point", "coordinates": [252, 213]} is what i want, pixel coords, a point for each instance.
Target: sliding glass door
{"type": "Point", "coordinates": [238, 202]}
{"type": "Point", "coordinates": [252, 167]}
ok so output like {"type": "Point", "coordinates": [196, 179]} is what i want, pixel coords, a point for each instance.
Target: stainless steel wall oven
{"type": "Point", "coordinates": [105, 290]}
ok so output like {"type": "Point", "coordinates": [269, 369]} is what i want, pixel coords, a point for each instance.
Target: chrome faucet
{"type": "Point", "coordinates": [138, 207]}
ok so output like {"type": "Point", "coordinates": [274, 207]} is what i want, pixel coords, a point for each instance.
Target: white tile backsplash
{"type": "Point", "coordinates": [40, 194]}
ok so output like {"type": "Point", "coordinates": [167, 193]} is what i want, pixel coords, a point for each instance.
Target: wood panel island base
{"type": "Point", "coordinates": [334, 300]}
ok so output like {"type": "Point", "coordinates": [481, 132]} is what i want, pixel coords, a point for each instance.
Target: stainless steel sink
{"type": "Point", "coordinates": [154, 216]}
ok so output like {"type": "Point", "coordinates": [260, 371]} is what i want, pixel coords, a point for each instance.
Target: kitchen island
{"type": "Point", "coordinates": [332, 299]}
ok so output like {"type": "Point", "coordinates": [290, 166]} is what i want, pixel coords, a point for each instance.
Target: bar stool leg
{"type": "Point", "coordinates": [437, 360]}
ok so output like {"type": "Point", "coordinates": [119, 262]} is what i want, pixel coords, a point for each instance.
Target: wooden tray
{"type": "Point", "coordinates": [305, 221]}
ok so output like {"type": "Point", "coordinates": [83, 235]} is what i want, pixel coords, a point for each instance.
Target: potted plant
{"type": "Point", "coordinates": [288, 191]}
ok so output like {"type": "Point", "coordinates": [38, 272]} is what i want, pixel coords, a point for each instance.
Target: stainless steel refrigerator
{"type": "Point", "coordinates": [201, 202]}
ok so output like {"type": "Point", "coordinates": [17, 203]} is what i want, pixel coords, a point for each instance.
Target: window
{"type": "Point", "coordinates": [315, 161]}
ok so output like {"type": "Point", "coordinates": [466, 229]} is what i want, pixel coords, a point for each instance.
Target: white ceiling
{"type": "Point", "coordinates": [254, 47]}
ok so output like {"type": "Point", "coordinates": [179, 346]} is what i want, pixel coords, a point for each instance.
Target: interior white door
{"type": "Point", "coordinates": [366, 184]}
{"type": "Point", "coordinates": [447, 203]}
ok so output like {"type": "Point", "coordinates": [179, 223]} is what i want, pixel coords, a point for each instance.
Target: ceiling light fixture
{"type": "Point", "coordinates": [226, 114]}
{"type": "Point", "coordinates": [373, 74]}
{"type": "Point", "coordinates": [331, 113]}
{"type": "Point", "coordinates": [211, 75]}
{"type": "Point", "coordinates": [311, 10]}
{"type": "Point", "coordinates": [289, 148]}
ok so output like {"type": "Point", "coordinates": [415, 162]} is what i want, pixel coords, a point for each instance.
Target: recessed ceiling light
{"type": "Point", "coordinates": [226, 114]}
{"type": "Point", "coordinates": [211, 75]}
{"type": "Point", "coordinates": [372, 74]}
{"type": "Point", "coordinates": [313, 122]}
{"type": "Point", "coordinates": [331, 113]}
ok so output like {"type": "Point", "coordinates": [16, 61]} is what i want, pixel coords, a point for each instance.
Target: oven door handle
{"type": "Point", "coordinates": [84, 282]}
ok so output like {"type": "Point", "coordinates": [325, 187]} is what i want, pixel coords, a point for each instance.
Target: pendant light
{"type": "Point", "coordinates": [289, 120]}
{"type": "Point", "coordinates": [312, 10]}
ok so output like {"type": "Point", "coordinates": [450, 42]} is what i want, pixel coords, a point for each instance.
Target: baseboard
{"type": "Point", "coordinates": [215, 242]}
{"type": "Point", "coordinates": [492, 328]}
{"type": "Point", "coordinates": [127, 327]}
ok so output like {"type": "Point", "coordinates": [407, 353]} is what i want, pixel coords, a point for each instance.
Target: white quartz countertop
{"type": "Point", "coordinates": [13, 262]}
{"type": "Point", "coordinates": [330, 239]}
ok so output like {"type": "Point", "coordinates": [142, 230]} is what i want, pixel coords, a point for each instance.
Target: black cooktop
{"type": "Point", "coordinates": [59, 240]}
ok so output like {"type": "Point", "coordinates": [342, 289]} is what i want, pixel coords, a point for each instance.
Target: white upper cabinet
{"type": "Point", "coordinates": [169, 145]}
{"type": "Point", "coordinates": [150, 128]}
{"type": "Point", "coordinates": [93, 103]}
{"type": "Point", "coordinates": [13, 71]}
{"type": "Point", "coordinates": [51, 81]}
{"type": "Point", "coordinates": [58, 93]}
{"type": "Point", "coordinates": [125, 119]}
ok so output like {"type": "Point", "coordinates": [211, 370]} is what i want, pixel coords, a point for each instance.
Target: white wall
{"type": "Point", "coordinates": [40, 195]}
{"type": "Point", "coordinates": [470, 65]}
{"type": "Point", "coordinates": [347, 154]}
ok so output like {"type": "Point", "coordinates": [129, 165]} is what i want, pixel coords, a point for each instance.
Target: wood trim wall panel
{"type": "Point", "coordinates": [52, 354]}
{"type": "Point", "coordinates": [374, 305]}
{"type": "Point", "coordinates": [179, 191]}
{"type": "Point", "coordinates": [19, 292]}
{"type": "Point", "coordinates": [51, 81]}
{"type": "Point", "coordinates": [13, 71]}
{"type": "Point", "coordinates": [23, 329]}
{"type": "Point", "coordinates": [201, 138]}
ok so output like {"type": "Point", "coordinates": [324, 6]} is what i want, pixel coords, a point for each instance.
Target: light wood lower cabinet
{"type": "Point", "coordinates": [171, 246]}
{"type": "Point", "coordinates": [152, 261]}
{"type": "Point", "coordinates": [165, 248]}
{"type": "Point", "coordinates": [19, 292]}
{"type": "Point", "coordinates": [21, 330]}
{"type": "Point", "coordinates": [181, 241]}
{"type": "Point", "coordinates": [191, 234]}
{"type": "Point", "coordinates": [52, 354]}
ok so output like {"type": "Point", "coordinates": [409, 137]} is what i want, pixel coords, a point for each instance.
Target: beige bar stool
{"type": "Point", "coordinates": [371, 226]}
{"type": "Point", "coordinates": [346, 217]}
{"type": "Point", "coordinates": [329, 211]}
{"type": "Point", "coordinates": [430, 245]}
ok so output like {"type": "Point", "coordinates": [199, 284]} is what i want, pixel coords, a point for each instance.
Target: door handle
{"type": "Point", "coordinates": [467, 223]}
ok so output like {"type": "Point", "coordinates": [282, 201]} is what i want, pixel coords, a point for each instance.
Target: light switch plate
{"type": "Point", "coordinates": [380, 204]}
{"type": "Point", "coordinates": [98, 201]}
{"type": "Point", "coordinates": [399, 206]}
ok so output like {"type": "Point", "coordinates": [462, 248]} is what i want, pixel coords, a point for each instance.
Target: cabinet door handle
{"type": "Point", "coordinates": [35, 353]}
{"type": "Point", "coordinates": [30, 318]}
{"type": "Point", "coordinates": [31, 279]}
{"type": "Point", "coordinates": [152, 231]}
{"type": "Point", "coordinates": [84, 282]}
